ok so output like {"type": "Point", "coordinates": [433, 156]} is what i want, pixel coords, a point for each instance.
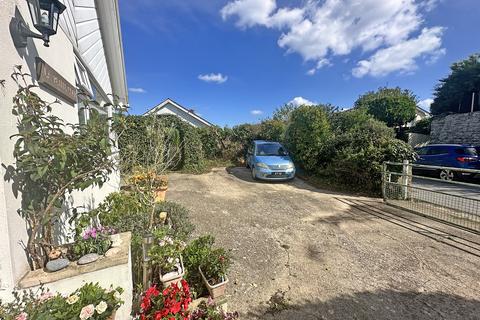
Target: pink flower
{"type": "Point", "coordinates": [46, 296]}
{"type": "Point", "coordinates": [22, 316]}
{"type": "Point", "coordinates": [87, 312]}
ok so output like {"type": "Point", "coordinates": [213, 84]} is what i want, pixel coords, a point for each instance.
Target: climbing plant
{"type": "Point", "coordinates": [53, 159]}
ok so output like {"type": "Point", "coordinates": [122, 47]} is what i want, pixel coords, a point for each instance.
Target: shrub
{"type": "Point", "coordinates": [423, 126]}
{"type": "Point", "coordinates": [125, 211]}
{"type": "Point", "coordinates": [306, 132]}
{"type": "Point", "coordinates": [178, 217]}
{"type": "Point", "coordinates": [193, 256]}
{"type": "Point", "coordinates": [272, 130]}
{"type": "Point", "coordinates": [192, 154]}
{"type": "Point", "coordinates": [159, 140]}
{"type": "Point", "coordinates": [212, 143]}
{"type": "Point", "coordinates": [88, 302]}
{"type": "Point", "coordinates": [215, 265]}
{"type": "Point", "coordinates": [358, 154]}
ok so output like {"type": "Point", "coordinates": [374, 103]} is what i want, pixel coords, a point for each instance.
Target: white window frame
{"type": "Point", "coordinates": [82, 79]}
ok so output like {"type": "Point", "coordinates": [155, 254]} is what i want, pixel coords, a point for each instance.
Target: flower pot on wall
{"type": "Point", "coordinates": [216, 290]}
{"type": "Point", "coordinates": [173, 276]}
{"type": "Point", "coordinates": [160, 193]}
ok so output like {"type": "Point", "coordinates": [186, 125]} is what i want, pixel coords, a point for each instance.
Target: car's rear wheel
{"type": "Point", "coordinates": [447, 175]}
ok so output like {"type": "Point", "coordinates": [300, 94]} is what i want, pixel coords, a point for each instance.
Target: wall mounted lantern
{"type": "Point", "coordinates": [45, 15]}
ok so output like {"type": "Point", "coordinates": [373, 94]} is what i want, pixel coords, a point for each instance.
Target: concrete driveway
{"type": "Point", "coordinates": [303, 253]}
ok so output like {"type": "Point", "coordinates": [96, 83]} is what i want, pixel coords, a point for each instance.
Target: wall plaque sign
{"type": "Point", "coordinates": [48, 77]}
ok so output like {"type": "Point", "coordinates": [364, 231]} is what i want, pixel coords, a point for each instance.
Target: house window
{"type": "Point", "coordinates": [83, 82]}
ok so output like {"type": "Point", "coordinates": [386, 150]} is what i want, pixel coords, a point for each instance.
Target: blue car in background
{"type": "Point", "coordinates": [269, 160]}
{"type": "Point", "coordinates": [448, 155]}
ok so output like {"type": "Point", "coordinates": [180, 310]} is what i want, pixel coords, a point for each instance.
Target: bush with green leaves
{"type": "Point", "coordinates": [393, 106]}
{"type": "Point", "coordinates": [52, 158]}
{"type": "Point", "coordinates": [272, 130]}
{"type": "Point", "coordinates": [356, 156]}
{"type": "Point", "coordinates": [193, 256]}
{"type": "Point", "coordinates": [88, 302]}
{"type": "Point", "coordinates": [422, 126]}
{"type": "Point", "coordinates": [215, 265]}
{"type": "Point", "coordinates": [159, 142]}
{"type": "Point", "coordinates": [307, 130]}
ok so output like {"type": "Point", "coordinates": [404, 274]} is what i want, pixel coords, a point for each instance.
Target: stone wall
{"type": "Point", "coordinates": [462, 128]}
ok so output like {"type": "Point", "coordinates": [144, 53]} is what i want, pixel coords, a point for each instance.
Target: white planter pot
{"type": "Point", "coordinates": [216, 291]}
{"type": "Point", "coordinates": [173, 276]}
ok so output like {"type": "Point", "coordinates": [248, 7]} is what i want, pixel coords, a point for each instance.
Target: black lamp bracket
{"type": "Point", "coordinates": [20, 33]}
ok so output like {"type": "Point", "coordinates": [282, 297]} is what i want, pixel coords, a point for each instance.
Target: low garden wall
{"type": "Point", "coordinates": [115, 270]}
{"type": "Point", "coordinates": [461, 128]}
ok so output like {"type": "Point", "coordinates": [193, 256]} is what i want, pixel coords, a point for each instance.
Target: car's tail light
{"type": "Point", "coordinates": [466, 159]}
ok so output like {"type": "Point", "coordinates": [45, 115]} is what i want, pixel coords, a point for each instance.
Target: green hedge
{"type": "Point", "coordinates": [183, 139]}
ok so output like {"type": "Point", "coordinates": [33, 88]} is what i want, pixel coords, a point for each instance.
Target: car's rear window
{"type": "Point", "coordinates": [468, 151]}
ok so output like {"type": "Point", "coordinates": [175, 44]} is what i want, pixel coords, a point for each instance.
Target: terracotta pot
{"type": "Point", "coordinates": [160, 193]}
{"type": "Point", "coordinates": [216, 291]}
{"type": "Point", "coordinates": [173, 276]}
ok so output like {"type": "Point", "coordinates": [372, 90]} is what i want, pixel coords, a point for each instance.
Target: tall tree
{"type": "Point", "coordinates": [454, 93]}
{"type": "Point", "coordinates": [394, 106]}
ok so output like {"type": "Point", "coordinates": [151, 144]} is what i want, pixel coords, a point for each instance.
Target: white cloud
{"type": "Point", "coordinates": [213, 77]}
{"type": "Point", "coordinates": [401, 57]}
{"type": "Point", "coordinates": [321, 30]}
{"type": "Point", "coordinates": [137, 90]}
{"type": "Point", "coordinates": [256, 112]}
{"type": "Point", "coordinates": [300, 101]}
{"type": "Point", "coordinates": [249, 12]}
{"type": "Point", "coordinates": [425, 104]}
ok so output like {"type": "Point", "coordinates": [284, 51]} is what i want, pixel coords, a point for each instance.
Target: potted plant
{"type": "Point", "coordinates": [213, 270]}
{"type": "Point", "coordinates": [93, 240]}
{"type": "Point", "coordinates": [208, 310]}
{"type": "Point", "coordinates": [88, 302]}
{"type": "Point", "coordinates": [149, 180]}
{"type": "Point", "coordinates": [171, 303]}
{"type": "Point", "coordinates": [165, 253]}
{"type": "Point", "coordinates": [160, 183]}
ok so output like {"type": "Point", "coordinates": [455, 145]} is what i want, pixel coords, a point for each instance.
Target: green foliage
{"type": "Point", "coordinates": [348, 120]}
{"type": "Point", "coordinates": [193, 157]}
{"type": "Point", "coordinates": [178, 218]}
{"type": "Point", "coordinates": [393, 106]}
{"type": "Point", "coordinates": [212, 141]}
{"type": "Point", "coordinates": [357, 155]}
{"type": "Point", "coordinates": [52, 158]}
{"type": "Point", "coordinates": [454, 93]}
{"type": "Point", "coordinates": [159, 143]}
{"type": "Point", "coordinates": [423, 126]}
{"type": "Point", "coordinates": [193, 256]}
{"type": "Point", "coordinates": [92, 240]}
{"type": "Point", "coordinates": [165, 251]}
{"type": "Point", "coordinates": [306, 133]}
{"type": "Point", "coordinates": [272, 130]}
{"type": "Point", "coordinates": [215, 265]}
{"type": "Point", "coordinates": [283, 113]}
{"type": "Point", "coordinates": [89, 299]}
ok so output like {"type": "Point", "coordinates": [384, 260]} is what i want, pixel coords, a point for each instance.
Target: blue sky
{"type": "Point", "coordinates": [236, 61]}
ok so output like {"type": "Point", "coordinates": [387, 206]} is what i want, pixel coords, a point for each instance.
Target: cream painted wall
{"type": "Point", "coordinates": [61, 57]}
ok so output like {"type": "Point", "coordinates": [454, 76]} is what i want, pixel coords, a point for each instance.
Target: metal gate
{"type": "Point", "coordinates": [440, 193]}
